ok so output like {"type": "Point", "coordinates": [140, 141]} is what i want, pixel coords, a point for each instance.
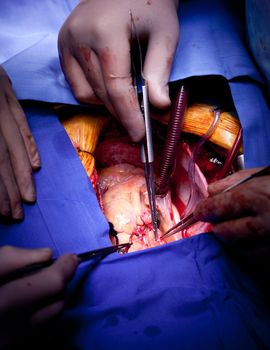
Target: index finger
{"type": "Point", "coordinates": [115, 63]}
{"type": "Point", "coordinates": [18, 154]}
{"type": "Point", "coordinates": [28, 139]}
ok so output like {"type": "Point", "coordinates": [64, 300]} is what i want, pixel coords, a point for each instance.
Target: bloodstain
{"type": "Point", "coordinates": [184, 234]}
{"type": "Point", "coordinates": [107, 58]}
{"type": "Point", "coordinates": [148, 2]}
{"type": "Point", "coordinates": [171, 214]}
{"type": "Point", "coordinates": [29, 284]}
{"type": "Point", "coordinates": [133, 100]}
{"type": "Point", "coordinates": [152, 331]}
{"type": "Point", "coordinates": [86, 53]}
{"type": "Point", "coordinates": [169, 62]}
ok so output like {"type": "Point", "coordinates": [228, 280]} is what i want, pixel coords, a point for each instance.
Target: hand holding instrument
{"type": "Point", "coordinates": [190, 219]}
{"type": "Point", "coordinates": [82, 257]}
{"type": "Point", "coordinates": [147, 153]}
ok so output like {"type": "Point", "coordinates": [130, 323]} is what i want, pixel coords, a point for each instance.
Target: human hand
{"type": "Point", "coordinates": [242, 213]}
{"type": "Point", "coordinates": [19, 154]}
{"type": "Point", "coordinates": [94, 49]}
{"type": "Point", "coordinates": [28, 303]}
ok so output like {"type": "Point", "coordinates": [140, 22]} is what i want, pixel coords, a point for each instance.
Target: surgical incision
{"type": "Point", "coordinates": [113, 165]}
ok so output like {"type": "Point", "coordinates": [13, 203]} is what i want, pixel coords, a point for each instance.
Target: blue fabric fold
{"type": "Point", "coordinates": [254, 114]}
{"type": "Point", "coordinates": [185, 295]}
{"type": "Point", "coordinates": [28, 37]}
{"type": "Point", "coordinates": [66, 216]}
{"type": "Point", "coordinates": [211, 42]}
{"type": "Point", "coordinates": [159, 297]}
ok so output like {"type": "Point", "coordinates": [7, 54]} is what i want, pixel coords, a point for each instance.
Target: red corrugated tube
{"type": "Point", "coordinates": [166, 165]}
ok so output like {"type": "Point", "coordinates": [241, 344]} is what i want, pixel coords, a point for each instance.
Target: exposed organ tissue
{"type": "Point", "coordinates": [113, 165]}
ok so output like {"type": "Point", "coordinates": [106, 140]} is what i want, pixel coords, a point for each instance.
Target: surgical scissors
{"type": "Point", "coordinates": [190, 219]}
{"type": "Point", "coordinates": [147, 153]}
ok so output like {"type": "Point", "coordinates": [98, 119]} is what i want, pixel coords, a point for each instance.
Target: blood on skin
{"type": "Point", "coordinates": [169, 46]}
{"type": "Point", "coordinates": [133, 100]}
{"type": "Point", "coordinates": [169, 61]}
{"type": "Point", "coordinates": [86, 53]}
{"type": "Point", "coordinates": [107, 58]}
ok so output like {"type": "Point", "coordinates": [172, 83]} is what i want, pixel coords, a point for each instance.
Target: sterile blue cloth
{"type": "Point", "coordinates": [183, 294]}
{"type": "Point", "coordinates": [211, 43]}
{"type": "Point", "coordinates": [188, 294]}
{"type": "Point", "coordinates": [257, 24]}
{"type": "Point", "coordinates": [66, 216]}
{"type": "Point", "coordinates": [28, 37]}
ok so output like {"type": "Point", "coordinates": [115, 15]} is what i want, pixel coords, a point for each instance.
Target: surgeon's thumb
{"type": "Point", "coordinates": [157, 77]}
{"type": "Point", "coordinates": [157, 68]}
{"type": "Point", "coordinates": [159, 94]}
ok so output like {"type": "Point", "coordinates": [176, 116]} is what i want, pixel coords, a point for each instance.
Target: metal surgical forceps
{"type": "Point", "coordinates": [147, 153]}
{"type": "Point", "coordinates": [29, 269]}
{"type": "Point", "coordinates": [189, 220]}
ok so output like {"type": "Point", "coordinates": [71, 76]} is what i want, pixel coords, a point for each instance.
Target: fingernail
{"type": "Point", "coordinates": [163, 99]}
{"type": "Point", "coordinates": [137, 133]}
{"type": "Point", "coordinates": [17, 213]}
{"type": "Point", "coordinates": [47, 252]}
{"type": "Point", "coordinates": [35, 161]}
{"type": "Point", "coordinates": [135, 136]}
{"type": "Point", "coordinates": [44, 250]}
{"type": "Point", "coordinates": [75, 258]}
{"type": "Point", "coordinates": [164, 96]}
{"type": "Point", "coordinates": [34, 155]}
{"type": "Point", "coordinates": [30, 194]}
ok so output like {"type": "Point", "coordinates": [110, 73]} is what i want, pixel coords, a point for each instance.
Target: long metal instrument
{"type": "Point", "coordinates": [147, 153]}
{"type": "Point", "coordinates": [29, 269]}
{"type": "Point", "coordinates": [190, 220]}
